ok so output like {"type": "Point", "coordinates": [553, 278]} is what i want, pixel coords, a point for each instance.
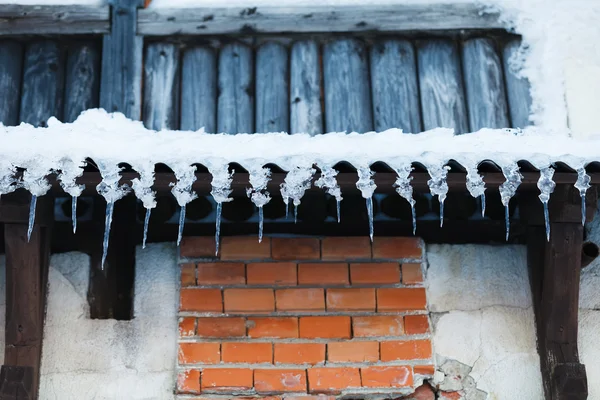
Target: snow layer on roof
{"type": "Point", "coordinates": [56, 2]}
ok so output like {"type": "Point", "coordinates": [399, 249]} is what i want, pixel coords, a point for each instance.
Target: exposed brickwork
{"type": "Point", "coordinates": [302, 318]}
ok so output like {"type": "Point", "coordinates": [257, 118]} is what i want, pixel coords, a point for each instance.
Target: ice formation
{"type": "Point", "coordinates": [221, 189]}
{"type": "Point", "coordinates": [142, 187]}
{"type": "Point", "coordinates": [508, 189]}
{"type": "Point", "coordinates": [69, 172]}
{"type": "Point", "coordinates": [34, 180]}
{"type": "Point", "coordinates": [259, 178]}
{"type": "Point", "coordinates": [582, 184]}
{"type": "Point", "coordinates": [438, 186]}
{"type": "Point", "coordinates": [405, 190]}
{"type": "Point", "coordinates": [546, 186]}
{"type": "Point", "coordinates": [295, 184]}
{"type": "Point", "coordinates": [328, 181]}
{"type": "Point", "coordinates": [476, 185]}
{"type": "Point", "coordinates": [367, 187]}
{"type": "Point", "coordinates": [182, 191]}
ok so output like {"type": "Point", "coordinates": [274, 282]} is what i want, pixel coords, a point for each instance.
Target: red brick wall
{"type": "Point", "coordinates": [298, 316]}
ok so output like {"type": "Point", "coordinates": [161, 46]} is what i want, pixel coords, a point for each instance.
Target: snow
{"type": "Point", "coordinates": [56, 2]}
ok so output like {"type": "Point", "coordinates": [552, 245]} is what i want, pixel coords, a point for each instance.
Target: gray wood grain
{"type": "Point", "coordinates": [199, 90]}
{"type": "Point", "coordinates": [235, 112]}
{"type": "Point", "coordinates": [347, 87]}
{"type": "Point", "coordinates": [82, 87]}
{"type": "Point", "coordinates": [395, 86]}
{"type": "Point", "coordinates": [272, 98]}
{"type": "Point", "coordinates": [43, 78]}
{"type": "Point", "coordinates": [121, 79]}
{"type": "Point", "coordinates": [335, 18]}
{"type": "Point", "coordinates": [11, 60]}
{"type": "Point", "coordinates": [305, 89]}
{"type": "Point", "coordinates": [53, 19]}
{"type": "Point", "coordinates": [161, 86]}
{"type": "Point", "coordinates": [441, 86]}
{"type": "Point", "coordinates": [517, 89]}
{"type": "Point", "coordinates": [484, 83]}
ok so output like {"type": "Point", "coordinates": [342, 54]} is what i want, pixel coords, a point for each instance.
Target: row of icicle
{"type": "Point", "coordinates": [296, 182]}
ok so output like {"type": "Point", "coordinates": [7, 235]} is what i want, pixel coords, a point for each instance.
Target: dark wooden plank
{"type": "Point", "coordinates": [43, 78]}
{"type": "Point", "coordinates": [347, 89]}
{"type": "Point", "coordinates": [484, 83]}
{"type": "Point", "coordinates": [161, 86]}
{"type": "Point", "coordinates": [16, 383]}
{"type": "Point", "coordinates": [11, 61]}
{"type": "Point", "coordinates": [18, 19]}
{"type": "Point", "coordinates": [235, 112]}
{"type": "Point", "coordinates": [440, 83]}
{"type": "Point", "coordinates": [305, 89]}
{"type": "Point", "coordinates": [305, 18]}
{"type": "Point", "coordinates": [121, 79]}
{"type": "Point", "coordinates": [517, 89]}
{"type": "Point", "coordinates": [395, 87]}
{"type": "Point", "coordinates": [272, 98]}
{"type": "Point", "coordinates": [82, 87]}
{"type": "Point", "coordinates": [199, 90]}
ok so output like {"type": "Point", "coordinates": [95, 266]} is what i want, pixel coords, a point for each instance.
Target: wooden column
{"type": "Point", "coordinates": [26, 279]}
{"type": "Point", "coordinates": [555, 270]}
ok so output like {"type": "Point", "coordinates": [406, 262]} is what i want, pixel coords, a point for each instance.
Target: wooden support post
{"type": "Point", "coordinates": [26, 279]}
{"type": "Point", "coordinates": [555, 270]}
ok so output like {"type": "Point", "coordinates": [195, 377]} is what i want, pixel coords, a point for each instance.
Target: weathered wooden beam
{"type": "Point", "coordinates": [518, 89]}
{"type": "Point", "coordinates": [199, 89]}
{"type": "Point", "coordinates": [18, 19]}
{"type": "Point", "coordinates": [299, 18]}
{"type": "Point", "coordinates": [272, 98]}
{"type": "Point", "coordinates": [306, 114]}
{"type": "Point", "coordinates": [26, 278]}
{"type": "Point", "coordinates": [11, 61]}
{"type": "Point", "coordinates": [555, 271]}
{"type": "Point", "coordinates": [82, 79]}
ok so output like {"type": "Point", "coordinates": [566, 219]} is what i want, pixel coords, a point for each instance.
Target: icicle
{"type": "Point", "coordinates": [405, 190]}
{"type": "Point", "coordinates": [328, 182]}
{"type": "Point", "coordinates": [476, 186]}
{"type": "Point", "coordinates": [146, 223]}
{"type": "Point", "coordinates": [438, 185]}
{"type": "Point", "coordinates": [110, 207]}
{"type": "Point", "coordinates": [367, 187]}
{"type": "Point", "coordinates": [287, 210]}
{"type": "Point", "coordinates": [261, 219]}
{"type": "Point", "coordinates": [182, 191]}
{"type": "Point", "coordinates": [508, 190]}
{"type": "Point", "coordinates": [74, 212]}
{"type": "Point", "coordinates": [32, 206]}
{"type": "Point", "coordinates": [8, 182]}
{"type": "Point", "coordinates": [221, 189]}
{"type": "Point", "coordinates": [295, 214]}
{"type": "Point", "coordinates": [259, 178]}
{"type": "Point", "coordinates": [69, 172]}
{"type": "Point", "coordinates": [582, 184]}
{"type": "Point", "coordinates": [296, 182]}
{"type": "Point", "coordinates": [546, 186]}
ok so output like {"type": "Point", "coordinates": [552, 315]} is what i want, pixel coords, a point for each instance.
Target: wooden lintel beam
{"type": "Point", "coordinates": [555, 267]}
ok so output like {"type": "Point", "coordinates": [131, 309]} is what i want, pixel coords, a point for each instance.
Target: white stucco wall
{"type": "Point", "coordinates": [108, 359]}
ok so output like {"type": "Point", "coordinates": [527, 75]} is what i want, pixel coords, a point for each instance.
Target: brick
{"type": "Point", "coordinates": [346, 248]}
{"type": "Point", "coordinates": [405, 350]}
{"type": "Point", "coordinates": [221, 274]}
{"type": "Point", "coordinates": [245, 248]}
{"type": "Point", "coordinates": [332, 380]}
{"type": "Point", "coordinates": [416, 324]}
{"type": "Point", "coordinates": [325, 327]}
{"type": "Point", "coordinates": [374, 273]}
{"type": "Point", "coordinates": [197, 246]}
{"type": "Point", "coordinates": [379, 325]}
{"type": "Point", "coordinates": [319, 397]}
{"type": "Point", "coordinates": [412, 274]}
{"type": "Point", "coordinates": [397, 248]}
{"type": "Point", "coordinates": [296, 249]}
{"type": "Point", "coordinates": [424, 369]}
{"type": "Point", "coordinates": [282, 273]}
{"type": "Point", "coordinates": [188, 382]}
{"type": "Point", "coordinates": [187, 327]}
{"type": "Point", "coordinates": [221, 327]}
{"type": "Point", "coordinates": [279, 380]}
{"type": "Point", "coordinates": [299, 353]}
{"type": "Point", "coordinates": [450, 396]}
{"type": "Point", "coordinates": [300, 299]}
{"type": "Point", "coordinates": [353, 352]}
{"type": "Point", "coordinates": [243, 352]}
{"type": "Point", "coordinates": [188, 274]}
{"type": "Point", "coordinates": [281, 328]}
{"type": "Point", "coordinates": [386, 377]}
{"type": "Point", "coordinates": [227, 379]}
{"type": "Point", "coordinates": [199, 353]}
{"type": "Point", "coordinates": [423, 392]}
{"type": "Point", "coordinates": [201, 300]}
{"type": "Point", "coordinates": [351, 299]}
{"type": "Point", "coordinates": [401, 299]}
{"type": "Point", "coordinates": [249, 300]}
{"type": "Point", "coordinates": [322, 274]}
